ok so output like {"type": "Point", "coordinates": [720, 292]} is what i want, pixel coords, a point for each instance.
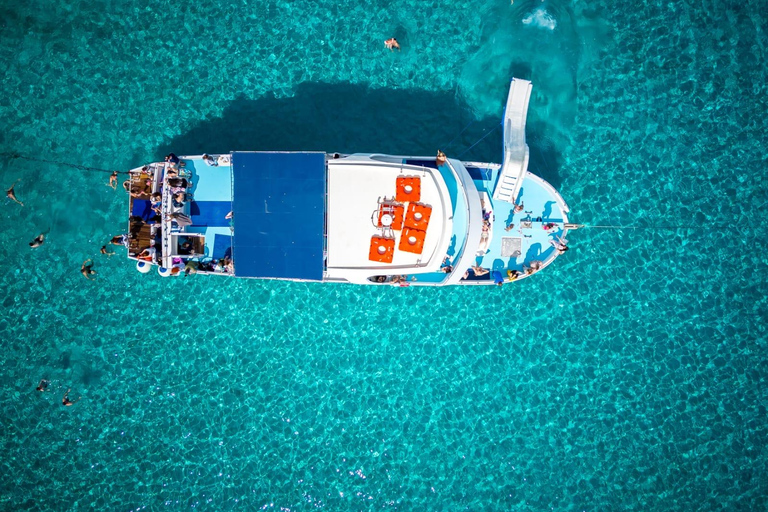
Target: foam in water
{"type": "Point", "coordinates": [540, 18]}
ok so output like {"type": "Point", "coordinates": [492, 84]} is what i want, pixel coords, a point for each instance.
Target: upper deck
{"type": "Point", "coordinates": [361, 188]}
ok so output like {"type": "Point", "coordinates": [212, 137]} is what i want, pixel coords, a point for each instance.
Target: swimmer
{"type": "Point", "coordinates": [10, 194]}
{"type": "Point", "coordinates": [87, 269]}
{"type": "Point", "coordinates": [120, 240]}
{"type": "Point", "coordinates": [43, 385]}
{"type": "Point", "coordinates": [392, 43]}
{"type": "Point", "coordinates": [38, 241]}
{"type": "Point", "coordinates": [113, 180]}
{"type": "Point", "coordinates": [66, 401]}
{"type": "Point", "coordinates": [106, 251]}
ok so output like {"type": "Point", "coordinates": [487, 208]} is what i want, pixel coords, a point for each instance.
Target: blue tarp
{"type": "Point", "coordinates": [143, 208]}
{"type": "Point", "coordinates": [210, 213]}
{"type": "Point", "coordinates": [222, 246]}
{"type": "Point", "coordinates": [279, 215]}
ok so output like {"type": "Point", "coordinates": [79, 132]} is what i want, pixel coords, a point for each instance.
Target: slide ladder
{"type": "Point", "coordinates": [515, 149]}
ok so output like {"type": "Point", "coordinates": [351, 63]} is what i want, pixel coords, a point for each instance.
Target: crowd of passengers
{"type": "Point", "coordinates": [179, 185]}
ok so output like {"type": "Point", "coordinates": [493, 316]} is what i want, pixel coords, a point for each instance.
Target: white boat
{"type": "Point", "coordinates": [359, 218]}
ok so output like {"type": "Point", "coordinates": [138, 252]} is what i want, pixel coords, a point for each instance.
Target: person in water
{"type": "Point", "coordinates": [43, 385]}
{"type": "Point", "coordinates": [10, 194]}
{"type": "Point", "coordinates": [106, 251]}
{"type": "Point", "coordinates": [113, 180]}
{"type": "Point", "coordinates": [392, 44]}
{"type": "Point", "coordinates": [38, 241]}
{"type": "Point", "coordinates": [120, 240]}
{"type": "Point", "coordinates": [66, 401]}
{"type": "Point", "coordinates": [87, 269]}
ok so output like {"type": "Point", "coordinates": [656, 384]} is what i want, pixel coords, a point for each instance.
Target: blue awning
{"type": "Point", "coordinates": [279, 215]}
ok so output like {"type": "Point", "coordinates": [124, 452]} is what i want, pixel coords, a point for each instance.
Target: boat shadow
{"type": "Point", "coordinates": [347, 118]}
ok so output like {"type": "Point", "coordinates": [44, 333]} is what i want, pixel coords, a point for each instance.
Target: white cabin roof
{"type": "Point", "coordinates": [355, 186]}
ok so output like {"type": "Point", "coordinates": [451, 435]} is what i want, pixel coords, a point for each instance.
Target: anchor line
{"type": "Point", "coordinates": [574, 227]}
{"type": "Point", "coordinates": [459, 135]}
{"type": "Point", "coordinates": [14, 156]}
{"type": "Point", "coordinates": [478, 142]}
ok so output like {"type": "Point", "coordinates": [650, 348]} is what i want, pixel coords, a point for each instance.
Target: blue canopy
{"type": "Point", "coordinates": [279, 215]}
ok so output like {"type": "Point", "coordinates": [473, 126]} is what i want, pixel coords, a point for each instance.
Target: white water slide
{"type": "Point", "coordinates": [515, 149]}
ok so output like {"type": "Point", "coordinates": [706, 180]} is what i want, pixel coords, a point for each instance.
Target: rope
{"type": "Point", "coordinates": [659, 228]}
{"type": "Point", "coordinates": [478, 142]}
{"type": "Point", "coordinates": [459, 135]}
{"type": "Point", "coordinates": [14, 156]}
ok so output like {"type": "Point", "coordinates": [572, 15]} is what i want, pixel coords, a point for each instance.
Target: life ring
{"type": "Point", "coordinates": [143, 267]}
{"type": "Point", "coordinates": [165, 272]}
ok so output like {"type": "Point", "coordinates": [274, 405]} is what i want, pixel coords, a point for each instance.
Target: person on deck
{"type": "Point", "coordinates": [147, 254]}
{"type": "Point", "coordinates": [172, 160]}
{"type": "Point", "coordinates": [560, 244]}
{"type": "Point", "coordinates": [209, 160]}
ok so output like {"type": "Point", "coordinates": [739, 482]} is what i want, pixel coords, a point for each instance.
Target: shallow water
{"type": "Point", "coordinates": [629, 375]}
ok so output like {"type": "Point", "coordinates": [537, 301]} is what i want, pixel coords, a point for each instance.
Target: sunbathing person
{"type": "Point", "coordinates": [560, 244]}
{"type": "Point", "coordinates": [209, 160]}
{"type": "Point", "coordinates": [87, 269]}
{"type": "Point", "coordinates": [479, 271]}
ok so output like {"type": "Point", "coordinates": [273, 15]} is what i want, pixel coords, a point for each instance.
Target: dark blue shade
{"type": "Point", "coordinates": [143, 208]}
{"type": "Point", "coordinates": [279, 215]}
{"type": "Point", "coordinates": [210, 213]}
{"type": "Point", "coordinates": [222, 246]}
{"type": "Point", "coordinates": [423, 163]}
{"type": "Point", "coordinates": [478, 174]}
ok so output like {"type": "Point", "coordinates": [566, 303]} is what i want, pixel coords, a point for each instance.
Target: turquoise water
{"type": "Point", "coordinates": [631, 375]}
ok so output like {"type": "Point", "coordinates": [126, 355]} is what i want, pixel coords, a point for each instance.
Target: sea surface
{"type": "Point", "coordinates": [630, 375]}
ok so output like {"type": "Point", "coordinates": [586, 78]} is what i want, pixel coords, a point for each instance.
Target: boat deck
{"type": "Point", "coordinates": [520, 239]}
{"type": "Point", "coordinates": [211, 193]}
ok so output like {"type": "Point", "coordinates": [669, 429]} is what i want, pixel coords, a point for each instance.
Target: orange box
{"type": "Point", "coordinates": [412, 240]}
{"type": "Point", "coordinates": [396, 211]}
{"type": "Point", "coordinates": [417, 216]}
{"type": "Point", "coordinates": [408, 189]}
{"type": "Point", "coordinates": [382, 249]}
